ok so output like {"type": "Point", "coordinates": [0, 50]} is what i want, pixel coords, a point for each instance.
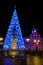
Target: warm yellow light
{"type": "Point", "coordinates": [1, 43]}
{"type": "Point", "coordinates": [38, 40]}
{"type": "Point", "coordinates": [34, 40]}
{"type": "Point", "coordinates": [27, 39]}
{"type": "Point", "coordinates": [1, 39]}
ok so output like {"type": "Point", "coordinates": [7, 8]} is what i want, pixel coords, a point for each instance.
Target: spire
{"type": "Point", "coordinates": [15, 7]}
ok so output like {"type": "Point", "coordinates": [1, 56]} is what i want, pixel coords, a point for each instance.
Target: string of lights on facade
{"type": "Point", "coordinates": [34, 41]}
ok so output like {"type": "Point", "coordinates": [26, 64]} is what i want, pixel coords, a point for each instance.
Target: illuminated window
{"type": "Point", "coordinates": [27, 40]}
{"type": "Point", "coordinates": [34, 40]}
{"type": "Point", "coordinates": [37, 43]}
{"type": "Point", "coordinates": [38, 40]}
{"type": "Point", "coordinates": [34, 30]}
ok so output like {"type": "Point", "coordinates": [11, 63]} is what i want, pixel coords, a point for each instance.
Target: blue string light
{"type": "Point", "coordinates": [14, 24]}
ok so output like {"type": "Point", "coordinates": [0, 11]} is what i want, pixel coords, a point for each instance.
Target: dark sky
{"type": "Point", "coordinates": [30, 14]}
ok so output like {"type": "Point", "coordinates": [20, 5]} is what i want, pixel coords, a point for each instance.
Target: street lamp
{"type": "Point", "coordinates": [1, 39]}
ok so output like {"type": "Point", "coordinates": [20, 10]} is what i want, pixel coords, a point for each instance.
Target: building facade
{"type": "Point", "coordinates": [34, 41]}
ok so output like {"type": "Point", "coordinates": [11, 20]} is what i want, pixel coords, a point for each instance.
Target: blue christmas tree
{"type": "Point", "coordinates": [14, 28]}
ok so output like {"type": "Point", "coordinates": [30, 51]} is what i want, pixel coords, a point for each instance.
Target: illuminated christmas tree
{"type": "Point", "coordinates": [14, 31]}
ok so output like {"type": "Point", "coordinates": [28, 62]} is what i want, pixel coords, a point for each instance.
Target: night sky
{"type": "Point", "coordinates": [30, 15]}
